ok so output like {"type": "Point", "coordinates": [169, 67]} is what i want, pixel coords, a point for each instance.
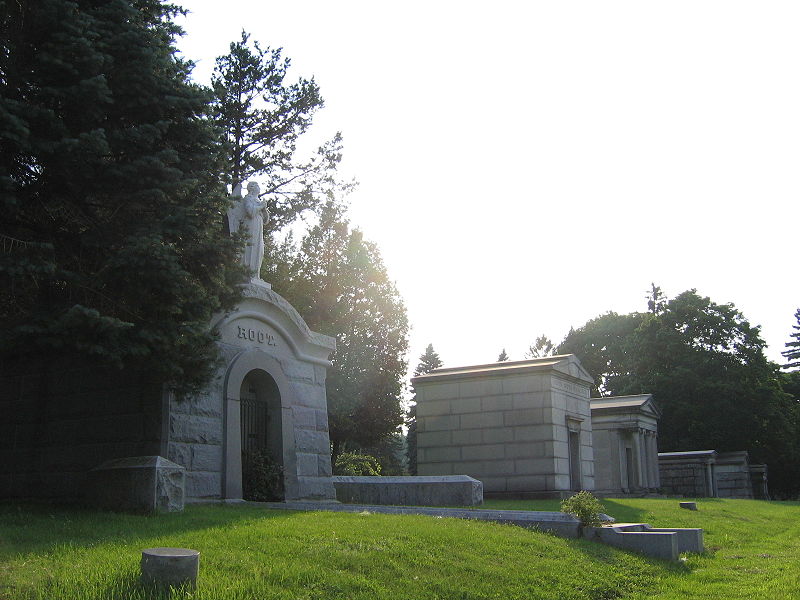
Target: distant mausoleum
{"type": "Point", "coordinates": [529, 429]}
{"type": "Point", "coordinates": [523, 428]}
{"type": "Point", "coordinates": [625, 435]}
{"type": "Point", "coordinates": [712, 474]}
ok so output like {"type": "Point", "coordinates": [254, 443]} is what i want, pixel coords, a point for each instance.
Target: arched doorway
{"type": "Point", "coordinates": [261, 437]}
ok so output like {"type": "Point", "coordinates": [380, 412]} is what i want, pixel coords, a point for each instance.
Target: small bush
{"type": "Point", "coordinates": [585, 507]}
{"type": "Point", "coordinates": [262, 477]}
{"type": "Point", "coordinates": [352, 463]}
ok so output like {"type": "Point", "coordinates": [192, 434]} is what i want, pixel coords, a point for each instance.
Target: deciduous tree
{"type": "Point", "coordinates": [338, 282]}
{"type": "Point", "coordinates": [705, 366]}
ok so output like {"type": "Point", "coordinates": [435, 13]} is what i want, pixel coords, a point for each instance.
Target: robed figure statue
{"type": "Point", "coordinates": [250, 213]}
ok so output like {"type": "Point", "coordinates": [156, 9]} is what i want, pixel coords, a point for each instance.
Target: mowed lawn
{"type": "Point", "coordinates": [753, 551]}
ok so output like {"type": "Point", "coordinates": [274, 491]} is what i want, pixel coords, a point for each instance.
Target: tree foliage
{"type": "Point", "coordinates": [792, 352]}
{"type": "Point", "coordinates": [502, 357]}
{"type": "Point", "coordinates": [705, 366]}
{"type": "Point", "coordinates": [542, 347]}
{"type": "Point", "coordinates": [428, 361]}
{"type": "Point", "coordinates": [110, 190]}
{"type": "Point", "coordinates": [263, 116]}
{"type": "Point", "coordinates": [339, 284]}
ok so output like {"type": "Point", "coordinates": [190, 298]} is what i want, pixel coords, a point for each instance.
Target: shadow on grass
{"type": "Point", "coordinates": [39, 528]}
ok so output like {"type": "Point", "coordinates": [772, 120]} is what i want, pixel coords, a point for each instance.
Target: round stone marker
{"type": "Point", "coordinates": [170, 566]}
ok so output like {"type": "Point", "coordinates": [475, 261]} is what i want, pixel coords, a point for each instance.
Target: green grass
{"type": "Point", "coordinates": [246, 552]}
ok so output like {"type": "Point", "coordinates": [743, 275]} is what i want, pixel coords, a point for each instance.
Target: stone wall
{"type": "Point", "coordinates": [62, 417]}
{"type": "Point", "coordinates": [732, 475]}
{"type": "Point", "coordinates": [196, 435]}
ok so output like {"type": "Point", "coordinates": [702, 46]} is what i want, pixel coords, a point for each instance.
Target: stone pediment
{"type": "Point", "coordinates": [570, 365]}
{"type": "Point", "coordinates": [641, 403]}
{"type": "Point", "coordinates": [264, 320]}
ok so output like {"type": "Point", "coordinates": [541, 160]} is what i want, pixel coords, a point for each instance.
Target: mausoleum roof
{"type": "Point", "coordinates": [567, 364]}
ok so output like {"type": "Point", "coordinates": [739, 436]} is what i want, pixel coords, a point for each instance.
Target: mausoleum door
{"type": "Point", "coordinates": [575, 460]}
{"type": "Point", "coordinates": [260, 420]}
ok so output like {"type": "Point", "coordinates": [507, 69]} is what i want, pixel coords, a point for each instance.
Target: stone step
{"type": "Point", "coordinates": [659, 542]}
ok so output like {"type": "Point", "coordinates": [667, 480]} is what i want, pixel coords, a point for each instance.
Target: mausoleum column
{"type": "Point", "coordinates": [637, 453]}
{"type": "Point", "coordinates": [655, 483]}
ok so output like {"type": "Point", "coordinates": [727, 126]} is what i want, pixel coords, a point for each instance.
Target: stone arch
{"type": "Point", "coordinates": [243, 364]}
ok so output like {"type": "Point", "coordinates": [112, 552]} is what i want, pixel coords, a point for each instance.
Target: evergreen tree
{"type": "Point", "coordinates": [110, 191]}
{"type": "Point", "coordinates": [503, 357]}
{"type": "Point", "coordinates": [656, 300]}
{"type": "Point", "coordinates": [792, 352]}
{"type": "Point", "coordinates": [541, 348]}
{"type": "Point", "coordinates": [428, 361]}
{"type": "Point", "coordinates": [338, 283]}
{"type": "Point", "coordinates": [262, 116]}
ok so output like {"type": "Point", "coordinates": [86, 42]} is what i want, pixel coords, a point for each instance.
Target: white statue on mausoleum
{"type": "Point", "coordinates": [250, 213]}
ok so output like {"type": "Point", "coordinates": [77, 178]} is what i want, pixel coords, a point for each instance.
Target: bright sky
{"type": "Point", "coordinates": [527, 166]}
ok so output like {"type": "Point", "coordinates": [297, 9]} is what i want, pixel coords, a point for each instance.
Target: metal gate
{"type": "Point", "coordinates": [255, 423]}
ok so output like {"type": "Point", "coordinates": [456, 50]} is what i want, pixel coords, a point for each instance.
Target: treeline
{"type": "Point", "coordinates": [704, 363]}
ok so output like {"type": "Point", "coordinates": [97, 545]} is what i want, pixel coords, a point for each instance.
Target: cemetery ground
{"type": "Point", "coordinates": [753, 551]}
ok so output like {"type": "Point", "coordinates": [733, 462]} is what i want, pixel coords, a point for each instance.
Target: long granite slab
{"type": "Point", "coordinates": [561, 524]}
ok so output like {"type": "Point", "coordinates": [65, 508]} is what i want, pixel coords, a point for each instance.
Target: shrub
{"type": "Point", "coordinates": [585, 507]}
{"type": "Point", "coordinates": [262, 477]}
{"type": "Point", "coordinates": [352, 463]}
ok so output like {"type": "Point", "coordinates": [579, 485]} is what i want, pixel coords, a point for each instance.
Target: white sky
{"type": "Point", "coordinates": [526, 166]}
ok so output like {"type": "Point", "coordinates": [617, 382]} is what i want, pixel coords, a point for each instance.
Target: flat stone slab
{"type": "Point", "coordinates": [689, 505]}
{"type": "Point", "coordinates": [561, 524]}
{"type": "Point", "coordinates": [166, 567]}
{"type": "Point", "coordinates": [434, 490]}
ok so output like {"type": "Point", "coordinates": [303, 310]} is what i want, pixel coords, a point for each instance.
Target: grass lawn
{"type": "Point", "coordinates": [753, 551]}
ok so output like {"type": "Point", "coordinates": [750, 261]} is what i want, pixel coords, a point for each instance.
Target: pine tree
{"type": "Point", "coordinates": [503, 357]}
{"type": "Point", "coordinates": [541, 348]}
{"type": "Point", "coordinates": [110, 191]}
{"type": "Point", "coordinates": [428, 361]}
{"type": "Point", "coordinates": [792, 353]}
{"type": "Point", "coordinates": [262, 117]}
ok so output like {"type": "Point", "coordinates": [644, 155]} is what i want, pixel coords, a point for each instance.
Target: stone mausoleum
{"type": "Point", "coordinates": [523, 428]}
{"type": "Point", "coordinates": [529, 429]}
{"type": "Point", "coordinates": [625, 441]}
{"type": "Point", "coordinates": [268, 396]}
